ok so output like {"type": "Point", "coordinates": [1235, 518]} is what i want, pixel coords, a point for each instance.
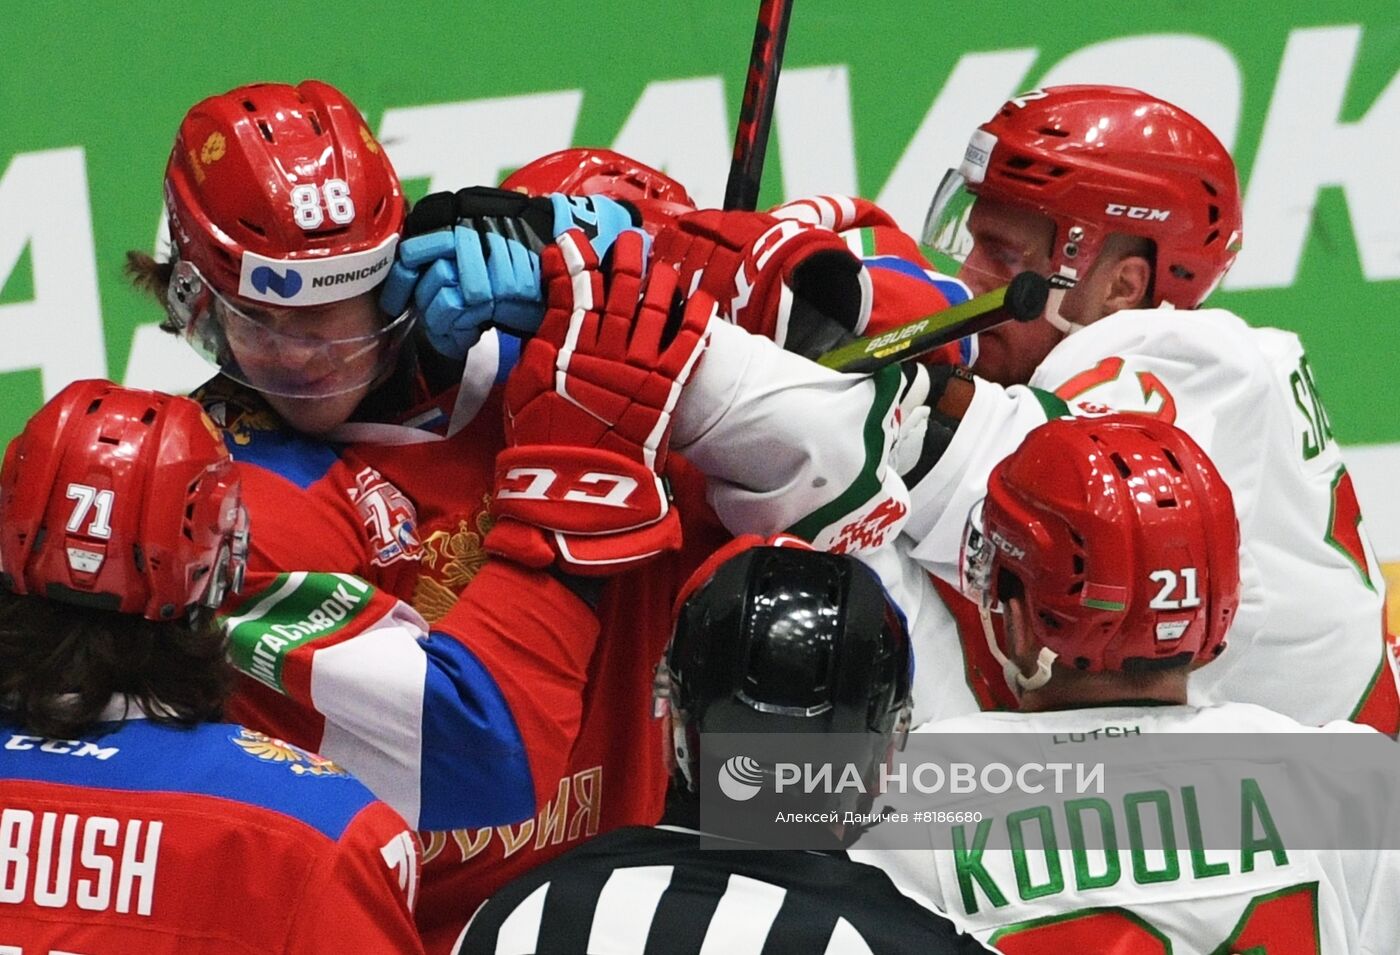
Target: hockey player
{"type": "Point", "coordinates": [378, 461]}
{"type": "Point", "coordinates": [772, 638]}
{"type": "Point", "coordinates": [371, 461]}
{"type": "Point", "coordinates": [1112, 545]}
{"type": "Point", "coordinates": [806, 275]}
{"type": "Point", "coordinates": [840, 262]}
{"type": "Point", "coordinates": [131, 820]}
{"type": "Point", "coordinates": [1137, 228]}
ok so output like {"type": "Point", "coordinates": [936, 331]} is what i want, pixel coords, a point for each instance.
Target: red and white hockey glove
{"type": "Point", "coordinates": [588, 412]}
{"type": "Point", "coordinates": [795, 282]}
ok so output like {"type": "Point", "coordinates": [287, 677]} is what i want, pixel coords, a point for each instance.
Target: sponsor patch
{"type": "Point", "coordinates": [297, 608]}
{"type": "Point", "coordinates": [301, 282]}
{"type": "Point", "coordinates": [389, 517]}
{"type": "Point", "coordinates": [1169, 630]}
{"type": "Point", "coordinates": [978, 154]}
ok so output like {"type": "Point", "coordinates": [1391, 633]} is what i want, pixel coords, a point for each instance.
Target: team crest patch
{"type": "Point", "coordinates": [235, 414]}
{"type": "Point", "coordinates": [389, 518]}
{"type": "Point", "coordinates": [450, 560]}
{"type": "Point", "coordinates": [273, 750]}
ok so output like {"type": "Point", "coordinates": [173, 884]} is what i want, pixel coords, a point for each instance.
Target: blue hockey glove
{"type": "Point", "coordinates": [470, 260]}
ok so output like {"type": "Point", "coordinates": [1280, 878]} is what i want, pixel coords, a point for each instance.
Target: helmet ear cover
{"type": "Point", "coordinates": [122, 500]}
{"type": "Point", "coordinates": [1104, 160]}
{"type": "Point", "coordinates": [1120, 535]}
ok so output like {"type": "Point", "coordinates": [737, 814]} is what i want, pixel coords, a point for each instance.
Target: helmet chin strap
{"type": "Point", "coordinates": [1015, 679]}
{"type": "Point", "coordinates": [1059, 285]}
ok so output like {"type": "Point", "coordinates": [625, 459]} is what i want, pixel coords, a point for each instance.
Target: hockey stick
{"type": "Point", "coordinates": [756, 113]}
{"type": "Point", "coordinates": [1022, 300]}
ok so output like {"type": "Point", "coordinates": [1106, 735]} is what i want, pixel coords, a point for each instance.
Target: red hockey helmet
{"type": "Point", "coordinates": [278, 196]}
{"type": "Point", "coordinates": [123, 500]}
{"type": "Point", "coordinates": [1097, 160]}
{"type": "Point", "coordinates": [1123, 535]}
{"type": "Point", "coordinates": [271, 177]}
{"type": "Point", "coordinates": [602, 172]}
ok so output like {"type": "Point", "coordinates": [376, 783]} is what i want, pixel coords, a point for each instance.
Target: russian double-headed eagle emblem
{"type": "Point", "coordinates": [273, 750]}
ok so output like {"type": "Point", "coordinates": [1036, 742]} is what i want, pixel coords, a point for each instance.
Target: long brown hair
{"type": "Point", "coordinates": [153, 277]}
{"type": "Point", "coordinates": [60, 665]}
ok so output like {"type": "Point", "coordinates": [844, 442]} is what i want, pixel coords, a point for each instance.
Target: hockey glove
{"type": "Point", "coordinates": [470, 259]}
{"type": "Point", "coordinates": [588, 412]}
{"type": "Point", "coordinates": [794, 282]}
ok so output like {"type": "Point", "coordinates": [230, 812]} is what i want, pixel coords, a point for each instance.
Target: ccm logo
{"type": "Point", "coordinates": [1137, 212]}
{"type": "Point", "coordinates": [591, 487]}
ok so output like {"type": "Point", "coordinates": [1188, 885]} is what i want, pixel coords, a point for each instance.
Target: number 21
{"type": "Point", "coordinates": [1168, 580]}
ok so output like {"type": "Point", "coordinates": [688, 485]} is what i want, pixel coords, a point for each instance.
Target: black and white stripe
{"type": "Point", "coordinates": [645, 891]}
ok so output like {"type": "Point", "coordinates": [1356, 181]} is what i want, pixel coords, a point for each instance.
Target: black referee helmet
{"type": "Point", "coordinates": [786, 639]}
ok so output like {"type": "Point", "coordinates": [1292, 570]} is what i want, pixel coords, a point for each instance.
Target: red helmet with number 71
{"type": "Point", "coordinates": [1123, 536]}
{"type": "Point", "coordinates": [1098, 160]}
{"type": "Point", "coordinates": [121, 500]}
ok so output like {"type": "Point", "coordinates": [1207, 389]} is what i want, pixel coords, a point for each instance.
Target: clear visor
{"type": "Point", "coordinates": [232, 562]}
{"type": "Point", "coordinates": [975, 560]}
{"type": "Point", "coordinates": [950, 243]}
{"type": "Point", "coordinates": [309, 352]}
{"type": "Point", "coordinates": [945, 226]}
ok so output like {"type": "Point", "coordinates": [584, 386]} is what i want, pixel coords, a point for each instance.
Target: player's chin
{"type": "Point", "coordinates": [316, 416]}
{"type": "Point", "coordinates": [995, 361]}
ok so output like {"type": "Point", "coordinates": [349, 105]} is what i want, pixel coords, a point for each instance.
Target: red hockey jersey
{"type": "Point", "coordinates": [205, 841]}
{"type": "Point", "coordinates": [508, 724]}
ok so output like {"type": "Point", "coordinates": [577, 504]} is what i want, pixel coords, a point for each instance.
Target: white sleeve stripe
{"type": "Point", "coordinates": [381, 743]}
{"type": "Point", "coordinates": [260, 609]}
{"type": "Point", "coordinates": [744, 917]}
{"type": "Point", "coordinates": [520, 932]}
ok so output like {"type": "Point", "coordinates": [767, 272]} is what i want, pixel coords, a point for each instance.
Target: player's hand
{"type": "Point", "coordinates": [794, 282]}
{"type": "Point", "coordinates": [469, 260]}
{"type": "Point", "coordinates": [588, 411]}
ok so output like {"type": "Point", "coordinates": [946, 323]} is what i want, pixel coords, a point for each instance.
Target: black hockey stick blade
{"type": "Point", "coordinates": [1022, 300]}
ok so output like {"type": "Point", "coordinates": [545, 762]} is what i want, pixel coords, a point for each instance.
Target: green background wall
{"type": "Point", "coordinates": [878, 97]}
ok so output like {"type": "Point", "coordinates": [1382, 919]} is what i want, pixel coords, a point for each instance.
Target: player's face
{"type": "Point", "coordinates": [1006, 242]}
{"type": "Point", "coordinates": [329, 354]}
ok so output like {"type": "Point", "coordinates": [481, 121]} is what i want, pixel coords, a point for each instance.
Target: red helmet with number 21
{"type": "Point", "coordinates": [1123, 536]}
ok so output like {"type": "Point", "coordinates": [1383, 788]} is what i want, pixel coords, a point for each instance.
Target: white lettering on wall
{"type": "Point", "coordinates": [1208, 90]}
{"type": "Point", "coordinates": [44, 205]}
{"type": "Point", "coordinates": [476, 142]}
{"type": "Point", "coordinates": [813, 129]}
{"type": "Point", "coordinates": [978, 86]}
{"type": "Point", "coordinates": [1305, 147]}
{"type": "Point", "coordinates": [683, 128]}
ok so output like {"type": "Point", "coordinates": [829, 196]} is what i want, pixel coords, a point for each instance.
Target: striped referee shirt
{"type": "Point", "coordinates": [653, 891]}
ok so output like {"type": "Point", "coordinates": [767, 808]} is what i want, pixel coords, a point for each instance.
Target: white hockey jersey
{"type": "Point", "coordinates": [1309, 638]}
{"type": "Point", "coordinates": [787, 445]}
{"type": "Point", "coordinates": [1279, 899]}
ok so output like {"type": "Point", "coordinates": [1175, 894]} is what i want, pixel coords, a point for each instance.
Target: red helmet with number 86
{"type": "Point", "coordinates": [280, 200]}
{"type": "Point", "coordinates": [271, 187]}
{"type": "Point", "coordinates": [1122, 534]}
{"type": "Point", "coordinates": [121, 500]}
